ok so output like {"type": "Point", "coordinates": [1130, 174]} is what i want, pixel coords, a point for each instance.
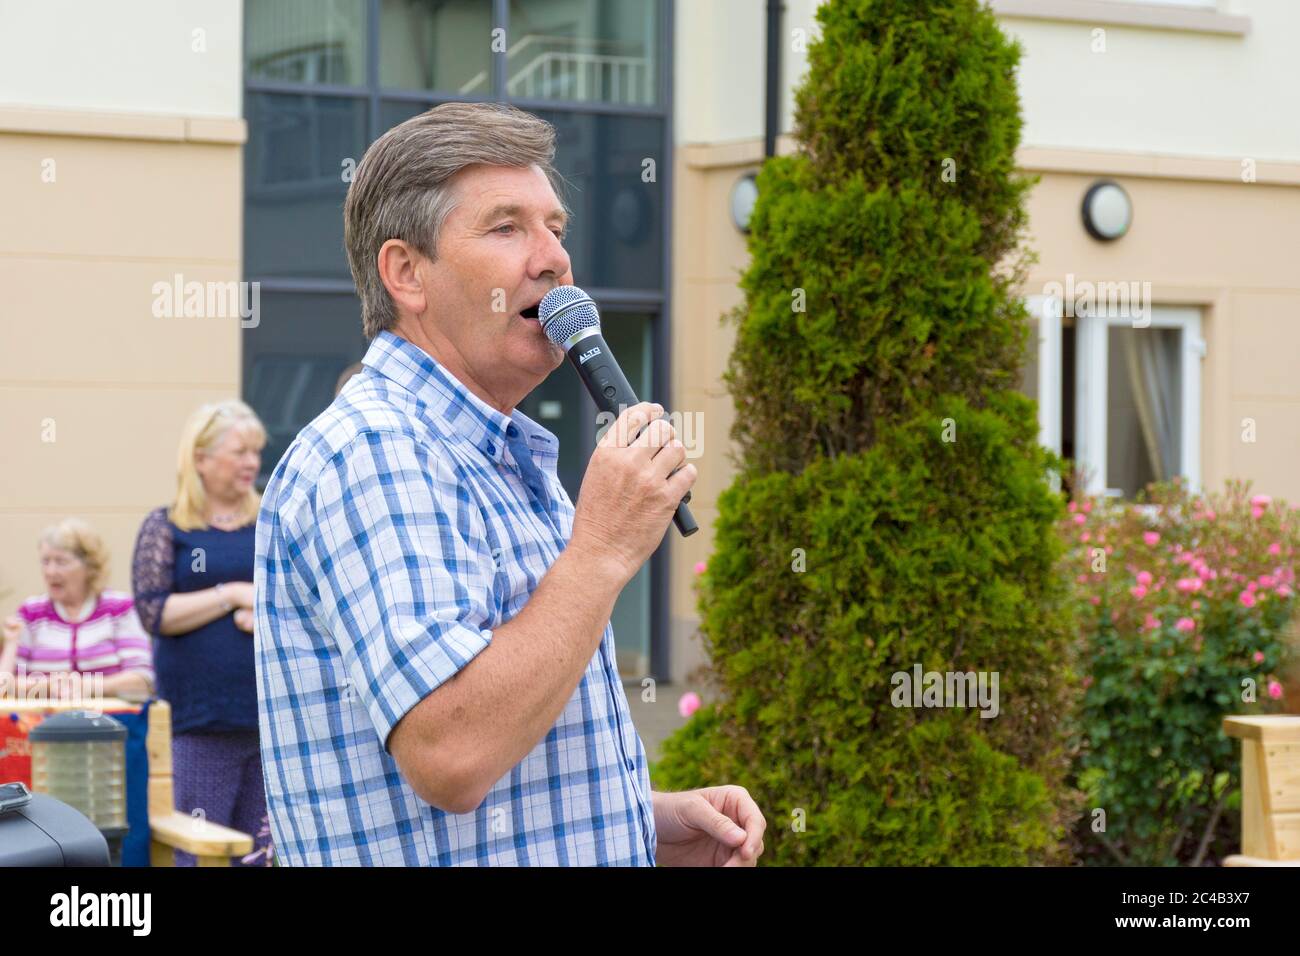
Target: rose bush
{"type": "Point", "coordinates": [1184, 603]}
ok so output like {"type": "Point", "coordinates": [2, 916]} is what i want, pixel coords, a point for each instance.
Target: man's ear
{"type": "Point", "coordinates": [398, 263]}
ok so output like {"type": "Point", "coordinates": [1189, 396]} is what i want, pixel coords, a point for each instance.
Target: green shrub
{"type": "Point", "coordinates": [1183, 602]}
{"type": "Point", "coordinates": [891, 508]}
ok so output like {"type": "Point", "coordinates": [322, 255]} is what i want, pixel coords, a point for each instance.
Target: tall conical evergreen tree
{"type": "Point", "coordinates": [891, 507]}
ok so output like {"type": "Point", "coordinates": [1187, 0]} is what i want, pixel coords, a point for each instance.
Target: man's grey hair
{"type": "Point", "coordinates": [402, 188]}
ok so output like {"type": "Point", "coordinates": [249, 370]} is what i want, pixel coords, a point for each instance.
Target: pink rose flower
{"type": "Point", "coordinates": [1259, 657]}
{"type": "Point", "coordinates": [1188, 585]}
{"type": "Point", "coordinates": [1086, 537]}
{"type": "Point", "coordinates": [1079, 519]}
{"type": "Point", "coordinates": [699, 567]}
{"type": "Point", "coordinates": [1186, 625]}
{"type": "Point", "coordinates": [1246, 598]}
{"type": "Point", "coordinates": [1152, 538]}
{"type": "Point", "coordinates": [1087, 507]}
{"type": "Point", "coordinates": [1284, 592]}
{"type": "Point", "coordinates": [1151, 623]}
{"type": "Point", "coordinates": [1072, 506]}
{"type": "Point", "coordinates": [1261, 501]}
{"type": "Point", "coordinates": [1275, 549]}
{"type": "Point", "coordinates": [689, 703]}
{"type": "Point", "coordinates": [1266, 581]}
{"type": "Point", "coordinates": [1138, 592]}
{"type": "Point", "coordinates": [1144, 578]}
{"type": "Point", "coordinates": [1209, 515]}
{"type": "Point", "coordinates": [1256, 513]}
{"type": "Point", "coordinates": [1095, 600]}
{"type": "Point", "coordinates": [1274, 689]}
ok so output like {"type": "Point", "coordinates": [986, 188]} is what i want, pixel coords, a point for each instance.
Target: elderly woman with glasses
{"type": "Point", "coordinates": [193, 581]}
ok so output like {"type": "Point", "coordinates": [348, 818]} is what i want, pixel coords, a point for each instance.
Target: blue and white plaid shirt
{"type": "Point", "coordinates": [408, 520]}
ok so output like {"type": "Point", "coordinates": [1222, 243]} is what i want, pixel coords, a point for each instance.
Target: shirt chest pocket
{"type": "Point", "coordinates": [521, 552]}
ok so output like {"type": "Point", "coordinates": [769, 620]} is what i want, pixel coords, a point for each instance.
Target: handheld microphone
{"type": "Point", "coordinates": [570, 320]}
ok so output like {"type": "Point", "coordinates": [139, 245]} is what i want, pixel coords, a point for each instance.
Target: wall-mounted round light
{"type": "Point", "coordinates": [1107, 210]}
{"type": "Point", "coordinates": [743, 196]}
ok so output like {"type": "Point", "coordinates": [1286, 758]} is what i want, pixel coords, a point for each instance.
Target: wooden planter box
{"type": "Point", "coordinates": [1270, 790]}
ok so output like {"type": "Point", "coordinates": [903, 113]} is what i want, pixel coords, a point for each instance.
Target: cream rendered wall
{"type": "Point", "coordinates": [136, 57]}
{"type": "Point", "coordinates": [1164, 91]}
{"type": "Point", "coordinates": [120, 154]}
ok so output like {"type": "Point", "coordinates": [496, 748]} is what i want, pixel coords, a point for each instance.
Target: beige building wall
{"type": "Point", "coordinates": [121, 158]}
{"type": "Point", "coordinates": [94, 386]}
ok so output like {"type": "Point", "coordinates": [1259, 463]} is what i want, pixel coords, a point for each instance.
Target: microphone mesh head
{"type": "Point", "coordinates": [564, 310]}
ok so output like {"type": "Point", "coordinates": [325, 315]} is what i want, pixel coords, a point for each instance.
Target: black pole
{"type": "Point", "coordinates": [772, 122]}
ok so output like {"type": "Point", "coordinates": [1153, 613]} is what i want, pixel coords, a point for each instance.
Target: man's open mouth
{"type": "Point", "coordinates": [531, 311]}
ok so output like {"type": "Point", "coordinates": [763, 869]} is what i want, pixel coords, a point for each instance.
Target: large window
{"type": "Point", "coordinates": [1120, 398]}
{"type": "Point", "coordinates": [324, 78]}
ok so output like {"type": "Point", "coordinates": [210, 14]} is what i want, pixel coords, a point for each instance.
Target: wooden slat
{"type": "Point", "coordinates": [158, 742]}
{"type": "Point", "coordinates": [1240, 859]}
{"type": "Point", "coordinates": [1283, 776]}
{"type": "Point", "coordinates": [159, 739]}
{"type": "Point", "coordinates": [1270, 728]}
{"type": "Point", "coordinates": [198, 836]}
{"type": "Point", "coordinates": [160, 854]}
{"type": "Point", "coordinates": [1286, 834]}
{"type": "Point", "coordinates": [1254, 821]}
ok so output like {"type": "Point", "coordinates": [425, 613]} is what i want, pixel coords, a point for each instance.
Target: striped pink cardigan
{"type": "Point", "coordinates": [108, 641]}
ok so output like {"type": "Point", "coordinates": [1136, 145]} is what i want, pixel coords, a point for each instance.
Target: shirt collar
{"type": "Point", "coordinates": [458, 410]}
{"type": "Point", "coordinates": [76, 617]}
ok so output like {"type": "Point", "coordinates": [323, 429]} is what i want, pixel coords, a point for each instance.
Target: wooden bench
{"type": "Point", "coordinates": [1270, 789]}
{"type": "Point", "coordinates": [169, 828]}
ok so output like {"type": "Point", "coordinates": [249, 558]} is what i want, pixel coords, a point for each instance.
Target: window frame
{"type": "Point", "coordinates": [1092, 382]}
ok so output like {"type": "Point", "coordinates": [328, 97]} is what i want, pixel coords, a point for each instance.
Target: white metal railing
{"type": "Point", "coordinates": [571, 73]}
{"type": "Point", "coordinates": [583, 76]}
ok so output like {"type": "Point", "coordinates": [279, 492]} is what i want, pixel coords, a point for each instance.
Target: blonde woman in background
{"type": "Point", "coordinates": [193, 581]}
{"type": "Point", "coordinates": [78, 627]}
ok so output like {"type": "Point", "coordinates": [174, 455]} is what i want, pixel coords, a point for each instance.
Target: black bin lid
{"type": "Point", "coordinates": [77, 725]}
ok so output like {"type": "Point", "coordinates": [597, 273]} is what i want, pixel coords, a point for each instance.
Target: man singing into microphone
{"type": "Point", "coordinates": [436, 670]}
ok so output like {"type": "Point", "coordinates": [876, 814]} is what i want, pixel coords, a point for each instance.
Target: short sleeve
{"type": "Point", "coordinates": [133, 645]}
{"type": "Point", "coordinates": [404, 571]}
{"type": "Point", "coordinates": [152, 569]}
